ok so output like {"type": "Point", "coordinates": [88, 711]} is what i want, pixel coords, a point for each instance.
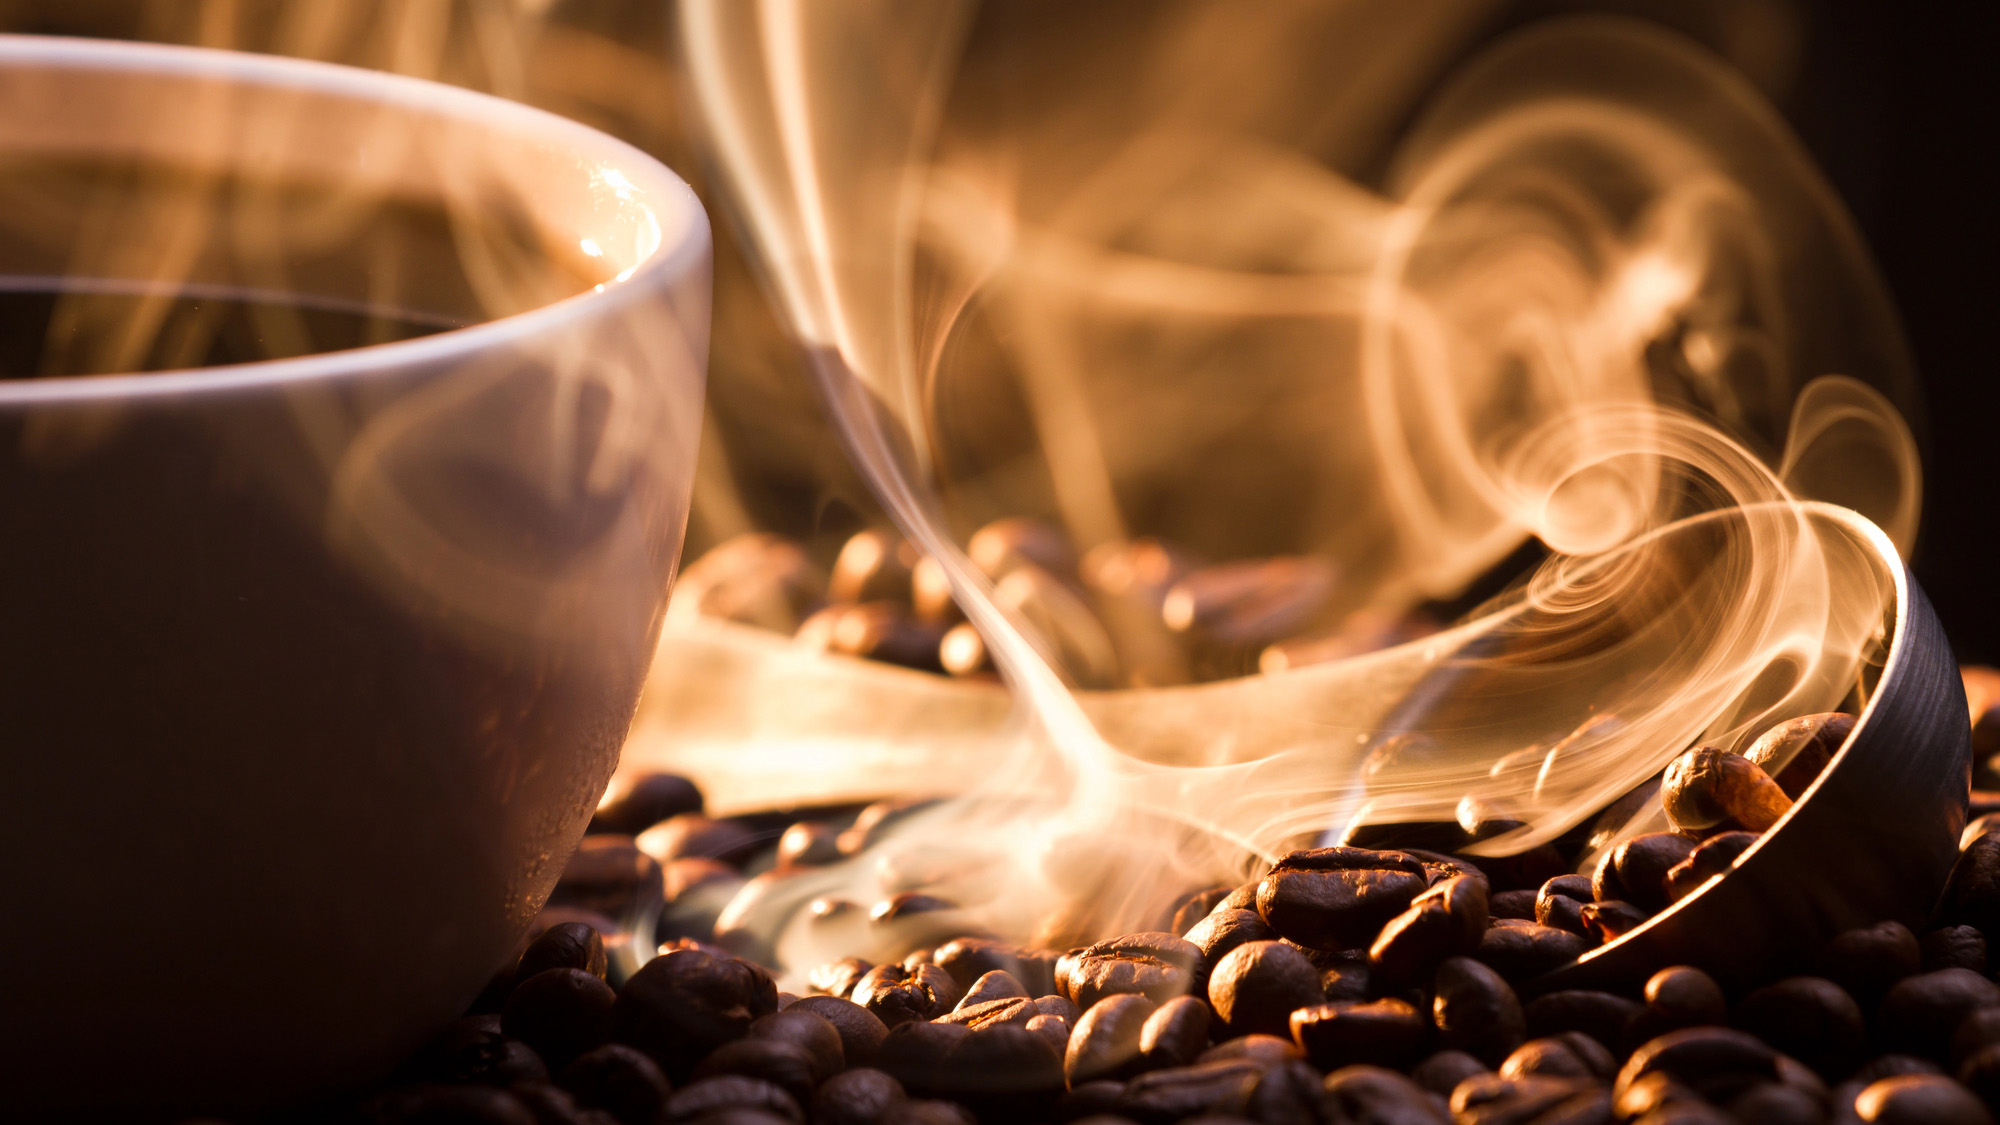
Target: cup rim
{"type": "Point", "coordinates": [673, 258]}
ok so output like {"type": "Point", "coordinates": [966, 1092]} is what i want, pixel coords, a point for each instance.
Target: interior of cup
{"type": "Point", "coordinates": [325, 208]}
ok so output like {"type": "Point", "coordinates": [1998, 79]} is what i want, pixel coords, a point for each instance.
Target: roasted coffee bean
{"type": "Point", "coordinates": [1053, 1028]}
{"type": "Point", "coordinates": [1492, 1098]}
{"type": "Point", "coordinates": [1716, 1062]}
{"type": "Point", "coordinates": [1640, 866]}
{"type": "Point", "coordinates": [914, 1054]}
{"type": "Point", "coordinates": [638, 803]}
{"type": "Point", "coordinates": [1608, 921]}
{"type": "Point", "coordinates": [561, 1013]}
{"type": "Point", "coordinates": [810, 1031]}
{"type": "Point", "coordinates": [1387, 1032]}
{"type": "Point", "coordinates": [1104, 1043]}
{"type": "Point", "coordinates": [1258, 984]}
{"type": "Point", "coordinates": [449, 1105]}
{"type": "Point", "coordinates": [1338, 898]}
{"type": "Point", "coordinates": [1514, 904]}
{"type": "Point", "coordinates": [1249, 602]}
{"type": "Point", "coordinates": [684, 1004]}
{"type": "Point", "coordinates": [1601, 1015]}
{"type": "Point", "coordinates": [1980, 1028]}
{"type": "Point", "coordinates": [873, 824]}
{"type": "Point", "coordinates": [1092, 1103]}
{"type": "Point", "coordinates": [996, 985]}
{"type": "Point", "coordinates": [873, 630]}
{"type": "Point", "coordinates": [862, 1096]}
{"type": "Point", "coordinates": [622, 1081]}
{"type": "Point", "coordinates": [1867, 961]}
{"type": "Point", "coordinates": [1920, 1100]}
{"type": "Point", "coordinates": [963, 652]}
{"type": "Point", "coordinates": [861, 1032]}
{"type": "Point", "coordinates": [1264, 1050]}
{"type": "Point", "coordinates": [1686, 996]}
{"type": "Point", "coordinates": [1221, 931]}
{"type": "Point", "coordinates": [1980, 1073]}
{"type": "Point", "coordinates": [1972, 894]}
{"type": "Point", "coordinates": [1520, 951]}
{"type": "Point", "coordinates": [607, 874]}
{"type": "Point", "coordinates": [568, 945]}
{"type": "Point", "coordinates": [1919, 1013]}
{"type": "Point", "coordinates": [1447, 920]}
{"type": "Point", "coordinates": [969, 958]}
{"type": "Point", "coordinates": [1159, 966]}
{"type": "Point", "coordinates": [897, 995]}
{"type": "Point", "coordinates": [1347, 983]}
{"type": "Point", "coordinates": [1953, 947]}
{"type": "Point", "coordinates": [1195, 906]}
{"type": "Point", "coordinates": [809, 843]}
{"type": "Point", "coordinates": [1292, 1094]}
{"type": "Point", "coordinates": [909, 906]}
{"type": "Point", "coordinates": [873, 565]}
{"type": "Point", "coordinates": [1061, 1006]}
{"type": "Point", "coordinates": [730, 1092]}
{"type": "Point", "coordinates": [1012, 1012]}
{"type": "Point", "coordinates": [930, 594]}
{"type": "Point", "coordinates": [1774, 1103]}
{"type": "Point", "coordinates": [1708, 785]}
{"type": "Point", "coordinates": [786, 1065]}
{"type": "Point", "coordinates": [1713, 856]}
{"type": "Point", "coordinates": [1004, 1071]}
{"type": "Point", "coordinates": [1569, 1055]}
{"type": "Point", "coordinates": [1476, 1011]}
{"type": "Point", "coordinates": [695, 835]}
{"type": "Point", "coordinates": [1560, 901]}
{"type": "Point", "coordinates": [1164, 1096]}
{"type": "Point", "coordinates": [1176, 1034]}
{"type": "Point", "coordinates": [476, 1050]}
{"type": "Point", "coordinates": [1654, 1098]}
{"type": "Point", "coordinates": [1795, 751]}
{"type": "Point", "coordinates": [1441, 1073]}
{"type": "Point", "coordinates": [1005, 545]}
{"type": "Point", "coordinates": [1810, 1018]}
{"type": "Point", "coordinates": [838, 978]}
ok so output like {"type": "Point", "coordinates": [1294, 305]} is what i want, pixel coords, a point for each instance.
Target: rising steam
{"type": "Point", "coordinates": [1180, 270]}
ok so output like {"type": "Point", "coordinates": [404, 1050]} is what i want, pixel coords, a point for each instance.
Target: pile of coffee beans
{"type": "Point", "coordinates": [1131, 613]}
{"type": "Point", "coordinates": [1361, 983]}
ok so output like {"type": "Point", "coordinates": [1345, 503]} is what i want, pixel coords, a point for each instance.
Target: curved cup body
{"type": "Point", "coordinates": [315, 668]}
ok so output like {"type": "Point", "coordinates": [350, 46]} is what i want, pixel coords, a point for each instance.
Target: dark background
{"type": "Point", "coordinates": [1904, 114]}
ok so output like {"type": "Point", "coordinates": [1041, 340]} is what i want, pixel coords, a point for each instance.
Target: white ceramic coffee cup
{"type": "Point", "coordinates": [312, 669]}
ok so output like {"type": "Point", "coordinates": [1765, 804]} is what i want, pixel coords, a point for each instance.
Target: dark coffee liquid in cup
{"type": "Point", "coordinates": [109, 267]}
{"type": "Point", "coordinates": [39, 328]}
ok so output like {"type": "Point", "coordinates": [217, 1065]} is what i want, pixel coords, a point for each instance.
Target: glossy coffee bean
{"type": "Point", "coordinates": [1264, 1050]}
{"type": "Point", "coordinates": [1386, 1032]}
{"type": "Point", "coordinates": [1222, 930]}
{"type": "Point", "coordinates": [1441, 1073]}
{"type": "Point", "coordinates": [915, 1053]}
{"type": "Point", "coordinates": [1182, 1093]}
{"type": "Point", "coordinates": [1774, 1103]}
{"type": "Point", "coordinates": [1972, 894]}
{"type": "Point", "coordinates": [684, 1004]}
{"type": "Point", "coordinates": [692, 835]}
{"type": "Point", "coordinates": [1158, 966]}
{"type": "Point", "coordinates": [1012, 1012]}
{"type": "Point", "coordinates": [731, 1092]}
{"type": "Point", "coordinates": [996, 985]}
{"type": "Point", "coordinates": [1475, 1011]}
{"type": "Point", "coordinates": [1560, 900]}
{"type": "Point", "coordinates": [897, 995]}
{"type": "Point", "coordinates": [1953, 947]}
{"type": "Point", "coordinates": [1636, 871]}
{"type": "Point", "coordinates": [1514, 904]}
{"type": "Point", "coordinates": [1569, 1055]}
{"type": "Point", "coordinates": [1920, 1013]}
{"type": "Point", "coordinates": [809, 844]}
{"type": "Point", "coordinates": [1176, 1034]}
{"type": "Point", "coordinates": [1053, 1028]}
{"type": "Point", "coordinates": [808, 1030]}
{"type": "Point", "coordinates": [620, 1080]}
{"type": "Point", "coordinates": [1257, 986]}
{"type": "Point", "coordinates": [1523, 950]}
{"type": "Point", "coordinates": [1194, 906]}
{"type": "Point", "coordinates": [1708, 786]}
{"type": "Point", "coordinates": [1104, 1043]}
{"type": "Point", "coordinates": [1601, 1015]}
{"type": "Point", "coordinates": [1338, 898]}
{"type": "Point", "coordinates": [1717, 1063]}
{"type": "Point", "coordinates": [1868, 960]}
{"type": "Point", "coordinates": [862, 1096]}
{"type": "Point", "coordinates": [1293, 1094]}
{"type": "Point", "coordinates": [634, 805]}
{"type": "Point", "coordinates": [1713, 856]}
{"type": "Point", "coordinates": [1446, 921]}
{"type": "Point", "coordinates": [561, 1013]}
{"type": "Point", "coordinates": [1687, 995]}
{"type": "Point", "coordinates": [1795, 751]}
{"type": "Point", "coordinates": [1811, 1019]}
{"type": "Point", "coordinates": [837, 978]}
{"type": "Point", "coordinates": [1605, 922]}
{"type": "Point", "coordinates": [786, 1065]}
{"type": "Point", "coordinates": [607, 874]}
{"type": "Point", "coordinates": [969, 958]}
{"type": "Point", "coordinates": [1920, 1100]}
{"type": "Point", "coordinates": [566, 945]}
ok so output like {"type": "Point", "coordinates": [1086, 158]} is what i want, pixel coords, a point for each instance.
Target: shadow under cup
{"type": "Point", "coordinates": [311, 667]}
